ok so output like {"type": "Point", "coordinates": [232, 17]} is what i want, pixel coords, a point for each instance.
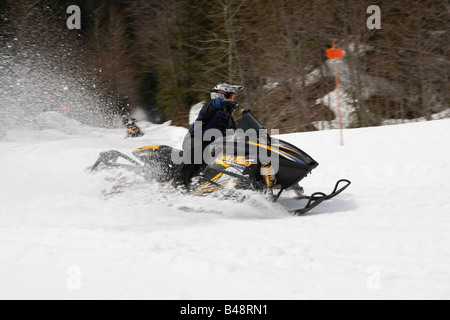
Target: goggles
{"type": "Point", "coordinates": [227, 95]}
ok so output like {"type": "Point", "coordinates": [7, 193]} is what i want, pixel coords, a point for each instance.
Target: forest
{"type": "Point", "coordinates": [163, 56]}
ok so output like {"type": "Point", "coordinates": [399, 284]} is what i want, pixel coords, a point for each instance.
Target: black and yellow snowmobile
{"type": "Point", "coordinates": [133, 131]}
{"type": "Point", "coordinates": [242, 168]}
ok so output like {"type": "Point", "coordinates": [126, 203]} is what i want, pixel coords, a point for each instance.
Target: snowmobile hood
{"type": "Point", "coordinates": [288, 152]}
{"type": "Point", "coordinates": [294, 154]}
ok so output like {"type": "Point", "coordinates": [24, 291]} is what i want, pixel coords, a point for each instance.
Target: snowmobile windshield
{"type": "Point", "coordinates": [250, 134]}
{"type": "Point", "coordinates": [249, 122]}
{"type": "Point", "coordinates": [248, 129]}
{"type": "Point", "coordinates": [243, 137]}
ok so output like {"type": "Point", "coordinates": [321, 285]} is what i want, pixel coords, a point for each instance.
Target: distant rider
{"type": "Point", "coordinates": [216, 114]}
{"type": "Point", "coordinates": [133, 131]}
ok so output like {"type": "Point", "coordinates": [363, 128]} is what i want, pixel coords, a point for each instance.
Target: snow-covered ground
{"type": "Point", "coordinates": [66, 233]}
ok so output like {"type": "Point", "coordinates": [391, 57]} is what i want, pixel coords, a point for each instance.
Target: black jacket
{"type": "Point", "coordinates": [214, 116]}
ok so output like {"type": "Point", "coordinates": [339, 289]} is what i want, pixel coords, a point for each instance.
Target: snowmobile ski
{"type": "Point", "coordinates": [109, 158]}
{"type": "Point", "coordinates": [317, 198]}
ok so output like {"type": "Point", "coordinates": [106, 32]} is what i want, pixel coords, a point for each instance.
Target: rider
{"type": "Point", "coordinates": [216, 114]}
{"type": "Point", "coordinates": [133, 130]}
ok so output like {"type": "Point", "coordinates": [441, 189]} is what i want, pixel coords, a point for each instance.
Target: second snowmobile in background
{"type": "Point", "coordinates": [133, 131]}
{"type": "Point", "coordinates": [241, 169]}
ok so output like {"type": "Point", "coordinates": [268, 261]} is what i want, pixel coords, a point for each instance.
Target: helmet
{"type": "Point", "coordinates": [225, 91]}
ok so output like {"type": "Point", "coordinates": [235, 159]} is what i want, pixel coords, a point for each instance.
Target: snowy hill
{"type": "Point", "coordinates": [66, 233]}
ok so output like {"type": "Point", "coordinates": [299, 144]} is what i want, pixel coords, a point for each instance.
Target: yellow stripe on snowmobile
{"type": "Point", "coordinates": [155, 147]}
{"type": "Point", "coordinates": [289, 148]}
{"type": "Point", "coordinates": [211, 189]}
{"type": "Point", "coordinates": [207, 190]}
{"type": "Point", "coordinates": [280, 152]}
{"type": "Point", "coordinates": [222, 163]}
{"type": "Point", "coordinates": [208, 182]}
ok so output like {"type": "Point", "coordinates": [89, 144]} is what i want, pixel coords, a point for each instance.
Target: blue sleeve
{"type": "Point", "coordinates": [210, 109]}
{"type": "Point", "coordinates": [217, 103]}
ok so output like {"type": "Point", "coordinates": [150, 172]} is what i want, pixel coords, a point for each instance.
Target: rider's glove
{"type": "Point", "coordinates": [229, 105]}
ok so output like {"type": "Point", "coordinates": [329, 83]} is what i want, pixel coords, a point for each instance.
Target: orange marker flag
{"type": "Point", "coordinates": [337, 54]}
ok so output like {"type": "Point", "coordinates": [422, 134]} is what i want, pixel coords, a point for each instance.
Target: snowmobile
{"type": "Point", "coordinates": [133, 131]}
{"type": "Point", "coordinates": [240, 168]}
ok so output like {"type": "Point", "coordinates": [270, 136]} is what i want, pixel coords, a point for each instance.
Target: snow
{"type": "Point", "coordinates": [67, 233]}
